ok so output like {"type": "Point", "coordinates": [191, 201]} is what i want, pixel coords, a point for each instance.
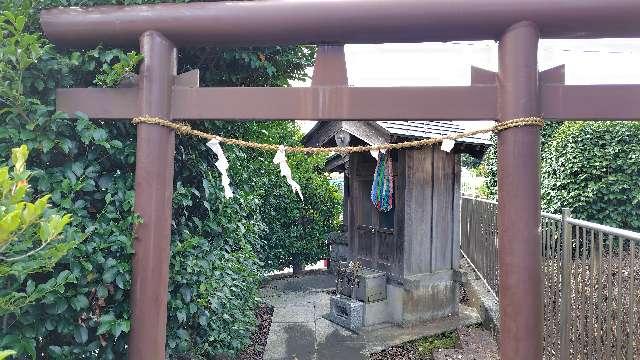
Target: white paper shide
{"type": "Point", "coordinates": [285, 171]}
{"type": "Point", "coordinates": [447, 145]}
{"type": "Point", "coordinates": [223, 165]}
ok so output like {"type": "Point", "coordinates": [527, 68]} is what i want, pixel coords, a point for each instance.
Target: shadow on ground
{"type": "Point", "coordinates": [300, 341]}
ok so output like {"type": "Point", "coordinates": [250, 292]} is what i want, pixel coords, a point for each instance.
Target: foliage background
{"type": "Point", "coordinates": [593, 168]}
{"type": "Point", "coordinates": [87, 166]}
{"type": "Point", "coordinates": [590, 167]}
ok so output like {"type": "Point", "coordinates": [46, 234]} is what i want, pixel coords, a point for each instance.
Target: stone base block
{"type": "Point", "coordinates": [376, 313]}
{"type": "Point", "coordinates": [423, 298]}
{"type": "Point", "coordinates": [347, 312]}
{"type": "Point", "coordinates": [408, 301]}
{"type": "Point", "coordinates": [372, 287]}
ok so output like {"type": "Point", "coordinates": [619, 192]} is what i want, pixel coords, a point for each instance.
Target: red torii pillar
{"type": "Point", "coordinates": [155, 151]}
{"type": "Point", "coordinates": [519, 182]}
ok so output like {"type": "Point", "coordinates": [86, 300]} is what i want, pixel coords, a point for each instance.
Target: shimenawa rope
{"type": "Point", "coordinates": [185, 129]}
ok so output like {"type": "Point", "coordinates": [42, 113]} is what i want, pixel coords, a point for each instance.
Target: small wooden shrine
{"type": "Point", "coordinates": [416, 242]}
{"type": "Point", "coordinates": [414, 245]}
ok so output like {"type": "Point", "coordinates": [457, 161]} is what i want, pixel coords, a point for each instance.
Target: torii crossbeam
{"type": "Point", "coordinates": [515, 92]}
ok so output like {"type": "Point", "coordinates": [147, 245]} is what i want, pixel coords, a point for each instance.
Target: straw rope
{"type": "Point", "coordinates": [185, 129]}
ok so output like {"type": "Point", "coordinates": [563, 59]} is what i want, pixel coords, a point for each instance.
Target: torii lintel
{"type": "Point", "coordinates": [474, 102]}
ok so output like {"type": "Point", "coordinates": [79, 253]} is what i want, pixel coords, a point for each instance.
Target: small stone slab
{"type": "Point", "coordinates": [347, 312]}
{"type": "Point", "coordinates": [372, 286]}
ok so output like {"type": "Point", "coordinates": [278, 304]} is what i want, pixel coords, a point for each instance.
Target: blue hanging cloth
{"type": "Point", "coordinates": [382, 187]}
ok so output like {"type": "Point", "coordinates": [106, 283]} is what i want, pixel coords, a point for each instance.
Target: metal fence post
{"type": "Point", "coordinates": [565, 286]}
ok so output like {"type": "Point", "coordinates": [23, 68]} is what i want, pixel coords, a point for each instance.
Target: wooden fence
{"type": "Point", "coordinates": [590, 290]}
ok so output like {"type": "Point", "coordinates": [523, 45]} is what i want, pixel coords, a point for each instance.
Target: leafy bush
{"type": "Point", "coordinates": [469, 161]}
{"type": "Point", "coordinates": [72, 162]}
{"type": "Point", "coordinates": [216, 292]}
{"type": "Point", "coordinates": [29, 234]}
{"type": "Point", "coordinates": [4, 354]}
{"type": "Point", "coordinates": [488, 169]}
{"type": "Point", "coordinates": [32, 241]}
{"type": "Point", "coordinates": [87, 166]}
{"type": "Point", "coordinates": [593, 168]}
{"type": "Point", "coordinates": [298, 229]}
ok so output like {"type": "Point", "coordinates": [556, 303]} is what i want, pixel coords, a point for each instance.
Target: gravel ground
{"type": "Point", "coordinates": [255, 350]}
{"type": "Point", "coordinates": [475, 344]}
{"type": "Point", "coordinates": [408, 351]}
{"type": "Point", "coordinates": [472, 344]}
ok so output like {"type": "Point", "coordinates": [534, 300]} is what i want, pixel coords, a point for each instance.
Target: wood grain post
{"type": "Point", "coordinates": [520, 288]}
{"type": "Point", "coordinates": [154, 192]}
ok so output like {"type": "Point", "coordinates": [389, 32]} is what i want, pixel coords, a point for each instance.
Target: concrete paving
{"type": "Point", "coordinates": [300, 332]}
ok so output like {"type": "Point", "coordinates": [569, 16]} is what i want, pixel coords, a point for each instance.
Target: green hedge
{"type": "Point", "coordinates": [292, 220]}
{"type": "Point", "coordinates": [88, 167]}
{"type": "Point", "coordinates": [593, 168]}
{"type": "Point", "coordinates": [589, 167]}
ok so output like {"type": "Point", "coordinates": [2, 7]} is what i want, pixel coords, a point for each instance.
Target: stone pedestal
{"type": "Point", "coordinates": [405, 302]}
{"type": "Point", "coordinates": [364, 305]}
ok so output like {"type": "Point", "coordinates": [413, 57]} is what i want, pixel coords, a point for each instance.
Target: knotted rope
{"type": "Point", "coordinates": [185, 129]}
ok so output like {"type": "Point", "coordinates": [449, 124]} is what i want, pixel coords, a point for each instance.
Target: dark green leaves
{"type": "Point", "coordinates": [79, 302]}
{"type": "Point", "coordinates": [116, 65]}
{"type": "Point", "coordinates": [81, 334]}
{"type": "Point", "coordinates": [593, 169]}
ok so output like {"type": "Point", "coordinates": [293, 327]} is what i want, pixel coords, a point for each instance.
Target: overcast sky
{"type": "Point", "coordinates": [602, 61]}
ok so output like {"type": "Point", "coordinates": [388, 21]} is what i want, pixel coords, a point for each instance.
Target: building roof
{"type": "Point", "coordinates": [379, 132]}
{"type": "Point", "coordinates": [430, 129]}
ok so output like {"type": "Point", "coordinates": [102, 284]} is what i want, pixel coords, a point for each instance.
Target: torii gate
{"type": "Point", "coordinates": [517, 25]}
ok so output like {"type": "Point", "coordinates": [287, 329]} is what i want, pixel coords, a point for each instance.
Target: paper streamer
{"type": "Point", "coordinates": [376, 153]}
{"type": "Point", "coordinates": [447, 145]}
{"type": "Point", "coordinates": [285, 170]}
{"type": "Point", "coordinates": [222, 164]}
